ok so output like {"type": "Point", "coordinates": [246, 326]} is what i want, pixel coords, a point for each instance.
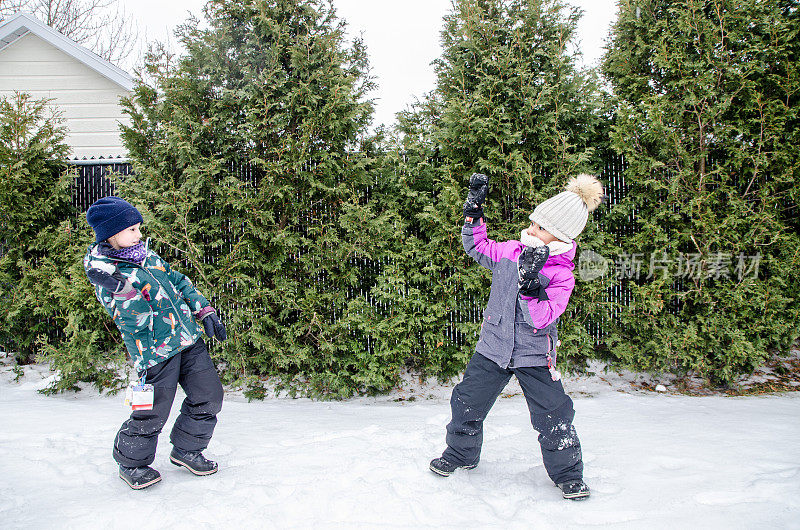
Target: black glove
{"type": "Point", "coordinates": [530, 263]}
{"type": "Point", "coordinates": [112, 283]}
{"type": "Point", "coordinates": [214, 328]}
{"type": "Point", "coordinates": [478, 189]}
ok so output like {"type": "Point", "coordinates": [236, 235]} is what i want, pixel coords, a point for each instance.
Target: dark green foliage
{"type": "Point", "coordinates": [707, 119]}
{"type": "Point", "coordinates": [34, 197]}
{"type": "Point", "coordinates": [429, 315]}
{"type": "Point", "coordinates": [88, 346]}
{"type": "Point", "coordinates": [514, 104]}
{"type": "Point", "coordinates": [46, 297]}
{"type": "Point", "coordinates": [247, 175]}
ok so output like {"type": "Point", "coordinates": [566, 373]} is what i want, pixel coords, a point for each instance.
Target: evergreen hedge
{"type": "Point", "coordinates": [334, 255]}
{"type": "Point", "coordinates": [43, 289]}
{"type": "Point", "coordinates": [707, 119]}
{"type": "Point", "coordinates": [33, 199]}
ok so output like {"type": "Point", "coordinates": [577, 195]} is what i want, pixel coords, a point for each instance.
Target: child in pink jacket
{"type": "Point", "coordinates": [532, 281]}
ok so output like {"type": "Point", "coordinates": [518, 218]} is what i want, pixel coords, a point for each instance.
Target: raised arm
{"type": "Point", "coordinates": [484, 250]}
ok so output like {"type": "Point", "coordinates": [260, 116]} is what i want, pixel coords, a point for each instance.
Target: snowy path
{"type": "Point", "coordinates": [653, 461]}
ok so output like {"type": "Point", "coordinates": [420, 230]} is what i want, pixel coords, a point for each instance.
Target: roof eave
{"type": "Point", "coordinates": [68, 46]}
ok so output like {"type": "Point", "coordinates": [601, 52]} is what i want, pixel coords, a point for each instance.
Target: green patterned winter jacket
{"type": "Point", "coordinates": [158, 320]}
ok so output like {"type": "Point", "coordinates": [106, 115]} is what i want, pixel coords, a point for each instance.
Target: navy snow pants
{"type": "Point", "coordinates": [550, 408]}
{"type": "Point", "coordinates": [135, 444]}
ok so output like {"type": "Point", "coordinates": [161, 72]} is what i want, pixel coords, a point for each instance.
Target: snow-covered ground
{"type": "Point", "coordinates": [653, 460]}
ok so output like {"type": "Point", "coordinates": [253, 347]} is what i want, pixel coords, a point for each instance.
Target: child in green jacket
{"type": "Point", "coordinates": [158, 312]}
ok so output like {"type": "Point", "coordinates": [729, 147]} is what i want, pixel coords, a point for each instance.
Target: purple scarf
{"type": "Point", "coordinates": [136, 253]}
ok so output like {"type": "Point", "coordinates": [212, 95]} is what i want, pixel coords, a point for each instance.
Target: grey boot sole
{"type": "Point", "coordinates": [579, 496]}
{"type": "Point", "coordinates": [446, 474]}
{"type": "Point", "coordinates": [177, 462]}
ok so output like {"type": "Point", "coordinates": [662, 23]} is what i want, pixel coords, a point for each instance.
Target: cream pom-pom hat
{"type": "Point", "coordinates": [565, 215]}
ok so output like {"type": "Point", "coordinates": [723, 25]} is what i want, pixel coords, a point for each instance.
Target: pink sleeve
{"type": "Point", "coordinates": [545, 312]}
{"type": "Point", "coordinates": [486, 251]}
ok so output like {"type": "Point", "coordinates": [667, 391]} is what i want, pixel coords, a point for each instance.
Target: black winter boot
{"type": "Point", "coordinates": [194, 461]}
{"type": "Point", "coordinates": [139, 477]}
{"type": "Point", "coordinates": [574, 490]}
{"type": "Point", "coordinates": [445, 468]}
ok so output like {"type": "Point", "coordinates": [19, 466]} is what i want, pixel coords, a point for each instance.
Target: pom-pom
{"type": "Point", "coordinates": [588, 188]}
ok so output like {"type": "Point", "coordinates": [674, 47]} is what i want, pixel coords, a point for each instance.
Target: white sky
{"type": "Point", "coordinates": [402, 38]}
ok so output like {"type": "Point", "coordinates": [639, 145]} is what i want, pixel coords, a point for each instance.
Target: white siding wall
{"type": "Point", "coordinates": [87, 100]}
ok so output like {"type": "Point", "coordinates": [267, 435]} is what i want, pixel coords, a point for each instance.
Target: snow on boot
{"type": "Point", "coordinates": [139, 477]}
{"type": "Point", "coordinates": [194, 461]}
{"type": "Point", "coordinates": [443, 467]}
{"type": "Point", "coordinates": [575, 490]}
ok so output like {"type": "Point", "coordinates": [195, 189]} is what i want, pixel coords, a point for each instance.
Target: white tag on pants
{"type": "Point", "coordinates": [139, 397]}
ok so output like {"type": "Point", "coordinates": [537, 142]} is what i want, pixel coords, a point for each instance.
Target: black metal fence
{"type": "Point", "coordinates": [91, 182]}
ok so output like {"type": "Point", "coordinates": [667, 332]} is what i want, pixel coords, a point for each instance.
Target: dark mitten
{"type": "Point", "coordinates": [478, 189]}
{"type": "Point", "coordinates": [531, 261]}
{"type": "Point", "coordinates": [213, 327]}
{"type": "Point", "coordinates": [112, 283]}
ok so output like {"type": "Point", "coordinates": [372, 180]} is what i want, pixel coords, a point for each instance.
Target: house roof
{"type": "Point", "coordinates": [21, 24]}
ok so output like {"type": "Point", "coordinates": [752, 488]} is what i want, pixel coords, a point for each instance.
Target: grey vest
{"type": "Point", "coordinates": [507, 334]}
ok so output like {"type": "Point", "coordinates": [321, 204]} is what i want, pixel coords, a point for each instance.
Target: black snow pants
{"type": "Point", "coordinates": [550, 408]}
{"type": "Point", "coordinates": [135, 444]}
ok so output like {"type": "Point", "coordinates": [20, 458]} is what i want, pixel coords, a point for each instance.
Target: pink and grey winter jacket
{"type": "Point", "coordinates": [517, 330]}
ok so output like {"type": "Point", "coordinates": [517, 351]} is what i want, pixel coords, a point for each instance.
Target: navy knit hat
{"type": "Point", "coordinates": [111, 215]}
